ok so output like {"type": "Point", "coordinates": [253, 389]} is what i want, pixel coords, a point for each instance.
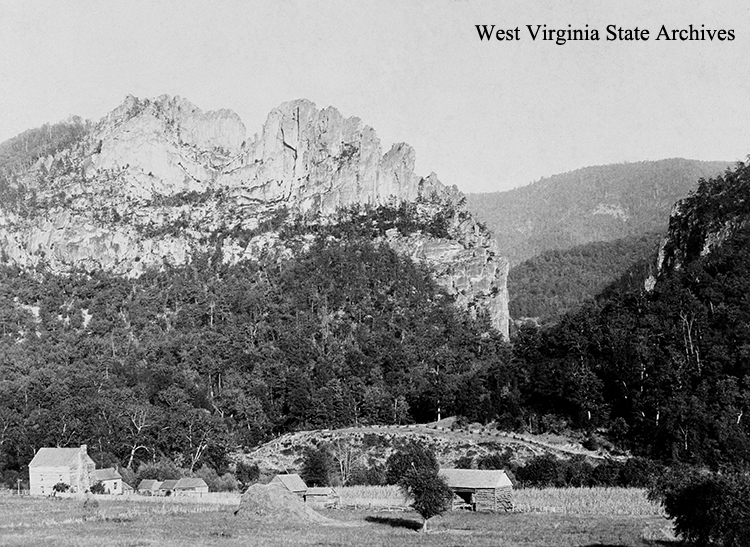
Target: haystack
{"type": "Point", "coordinates": [273, 502]}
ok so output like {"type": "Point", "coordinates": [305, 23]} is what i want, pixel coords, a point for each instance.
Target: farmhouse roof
{"type": "Point", "coordinates": [293, 482]}
{"type": "Point", "coordinates": [168, 485]}
{"type": "Point", "coordinates": [57, 457]}
{"type": "Point", "coordinates": [190, 482]}
{"type": "Point", "coordinates": [475, 478]}
{"type": "Point", "coordinates": [149, 484]}
{"type": "Point", "coordinates": [106, 474]}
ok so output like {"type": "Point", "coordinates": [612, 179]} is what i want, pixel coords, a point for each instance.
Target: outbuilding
{"type": "Point", "coordinates": [291, 482]}
{"type": "Point", "coordinates": [479, 489]}
{"type": "Point", "coordinates": [322, 496]}
{"type": "Point", "coordinates": [110, 479]}
{"type": "Point", "coordinates": [190, 485]}
{"type": "Point", "coordinates": [149, 487]}
{"type": "Point", "coordinates": [167, 487]}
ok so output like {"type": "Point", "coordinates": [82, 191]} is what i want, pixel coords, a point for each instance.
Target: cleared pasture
{"type": "Point", "coordinates": [134, 522]}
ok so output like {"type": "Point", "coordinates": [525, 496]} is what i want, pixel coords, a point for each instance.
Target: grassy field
{"type": "Point", "coordinates": [134, 523]}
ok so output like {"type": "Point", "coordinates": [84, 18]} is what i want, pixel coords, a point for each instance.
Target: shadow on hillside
{"type": "Point", "coordinates": [396, 522]}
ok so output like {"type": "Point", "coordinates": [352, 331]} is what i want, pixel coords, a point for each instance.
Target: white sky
{"type": "Point", "coordinates": [484, 116]}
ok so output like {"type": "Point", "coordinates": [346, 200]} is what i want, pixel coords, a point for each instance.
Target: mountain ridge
{"type": "Point", "coordinates": [157, 180]}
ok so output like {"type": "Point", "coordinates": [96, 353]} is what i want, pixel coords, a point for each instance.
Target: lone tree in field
{"type": "Point", "coordinates": [419, 477]}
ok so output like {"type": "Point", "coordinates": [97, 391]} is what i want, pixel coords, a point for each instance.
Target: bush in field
{"type": "Point", "coordinates": [578, 472]}
{"type": "Point", "coordinates": [639, 472]}
{"type": "Point", "coordinates": [60, 487]}
{"type": "Point", "coordinates": [541, 471]}
{"type": "Point", "coordinates": [607, 474]}
{"type": "Point", "coordinates": [411, 456]}
{"type": "Point", "coordinates": [363, 475]}
{"type": "Point", "coordinates": [97, 488]}
{"type": "Point", "coordinates": [495, 460]}
{"type": "Point", "coordinates": [247, 473]}
{"type": "Point", "coordinates": [707, 509]}
{"type": "Point", "coordinates": [317, 467]}
{"type": "Point", "coordinates": [464, 462]}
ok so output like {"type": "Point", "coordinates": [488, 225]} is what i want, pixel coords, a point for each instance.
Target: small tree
{"type": "Point", "coordinates": [316, 467]}
{"type": "Point", "coordinates": [97, 488]}
{"type": "Point", "coordinates": [60, 487]}
{"type": "Point", "coordinates": [429, 492]}
{"type": "Point", "coordinates": [415, 469]}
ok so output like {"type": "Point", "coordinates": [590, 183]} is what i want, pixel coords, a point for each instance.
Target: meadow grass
{"type": "Point", "coordinates": [28, 521]}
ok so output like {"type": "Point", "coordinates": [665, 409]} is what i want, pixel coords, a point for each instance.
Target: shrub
{"type": "Point", "coordinates": [316, 467]}
{"type": "Point", "coordinates": [638, 473]}
{"type": "Point", "coordinates": [540, 471]}
{"type": "Point", "coordinates": [578, 472]}
{"type": "Point", "coordinates": [60, 487]}
{"type": "Point", "coordinates": [247, 473]}
{"type": "Point", "coordinates": [607, 474]}
{"type": "Point", "coordinates": [362, 475]}
{"type": "Point", "coordinates": [97, 488]}
{"type": "Point", "coordinates": [706, 508]}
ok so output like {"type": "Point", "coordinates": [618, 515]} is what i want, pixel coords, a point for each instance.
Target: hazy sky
{"type": "Point", "coordinates": [485, 116]}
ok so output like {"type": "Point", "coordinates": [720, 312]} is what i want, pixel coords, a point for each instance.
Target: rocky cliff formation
{"type": "Point", "coordinates": [701, 223]}
{"type": "Point", "coordinates": [158, 180]}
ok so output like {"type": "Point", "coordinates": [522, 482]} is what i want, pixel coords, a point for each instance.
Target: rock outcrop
{"type": "Point", "coordinates": [156, 180]}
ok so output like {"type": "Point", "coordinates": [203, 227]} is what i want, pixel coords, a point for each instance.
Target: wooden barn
{"type": "Point", "coordinates": [479, 489]}
{"type": "Point", "coordinates": [293, 483]}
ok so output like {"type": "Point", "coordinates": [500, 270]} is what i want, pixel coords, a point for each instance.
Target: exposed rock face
{"type": "Point", "coordinates": [717, 211]}
{"type": "Point", "coordinates": [156, 179]}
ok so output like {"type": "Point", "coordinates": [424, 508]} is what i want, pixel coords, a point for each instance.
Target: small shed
{"type": "Point", "coordinates": [110, 479]}
{"type": "Point", "coordinates": [167, 487]}
{"type": "Point", "coordinates": [149, 487]}
{"type": "Point", "coordinates": [323, 496]}
{"type": "Point", "coordinates": [480, 489]}
{"type": "Point", "coordinates": [291, 482]}
{"type": "Point", "coordinates": [191, 485]}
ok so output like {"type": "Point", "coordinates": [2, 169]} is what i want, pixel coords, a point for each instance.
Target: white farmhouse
{"type": "Point", "coordinates": [110, 479]}
{"type": "Point", "coordinates": [71, 466]}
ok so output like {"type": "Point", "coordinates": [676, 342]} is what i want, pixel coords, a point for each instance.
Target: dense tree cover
{"type": "Point", "coordinates": [599, 203]}
{"type": "Point", "coordinates": [189, 362]}
{"type": "Point", "coordinates": [559, 281]}
{"type": "Point", "coordinates": [707, 508]}
{"type": "Point", "coordinates": [667, 372]}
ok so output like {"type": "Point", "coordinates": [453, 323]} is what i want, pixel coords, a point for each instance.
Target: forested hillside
{"type": "Point", "coordinates": [190, 362]}
{"type": "Point", "coordinates": [547, 286]}
{"type": "Point", "coordinates": [600, 203]}
{"type": "Point", "coordinates": [665, 371]}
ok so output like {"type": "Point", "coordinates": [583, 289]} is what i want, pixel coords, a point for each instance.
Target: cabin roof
{"type": "Point", "coordinates": [293, 482]}
{"type": "Point", "coordinates": [475, 478]}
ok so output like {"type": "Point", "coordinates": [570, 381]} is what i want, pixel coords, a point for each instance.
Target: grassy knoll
{"type": "Point", "coordinates": [28, 521]}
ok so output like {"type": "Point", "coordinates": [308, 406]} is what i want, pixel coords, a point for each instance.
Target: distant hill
{"type": "Point", "coordinates": [555, 282]}
{"type": "Point", "coordinates": [600, 203]}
